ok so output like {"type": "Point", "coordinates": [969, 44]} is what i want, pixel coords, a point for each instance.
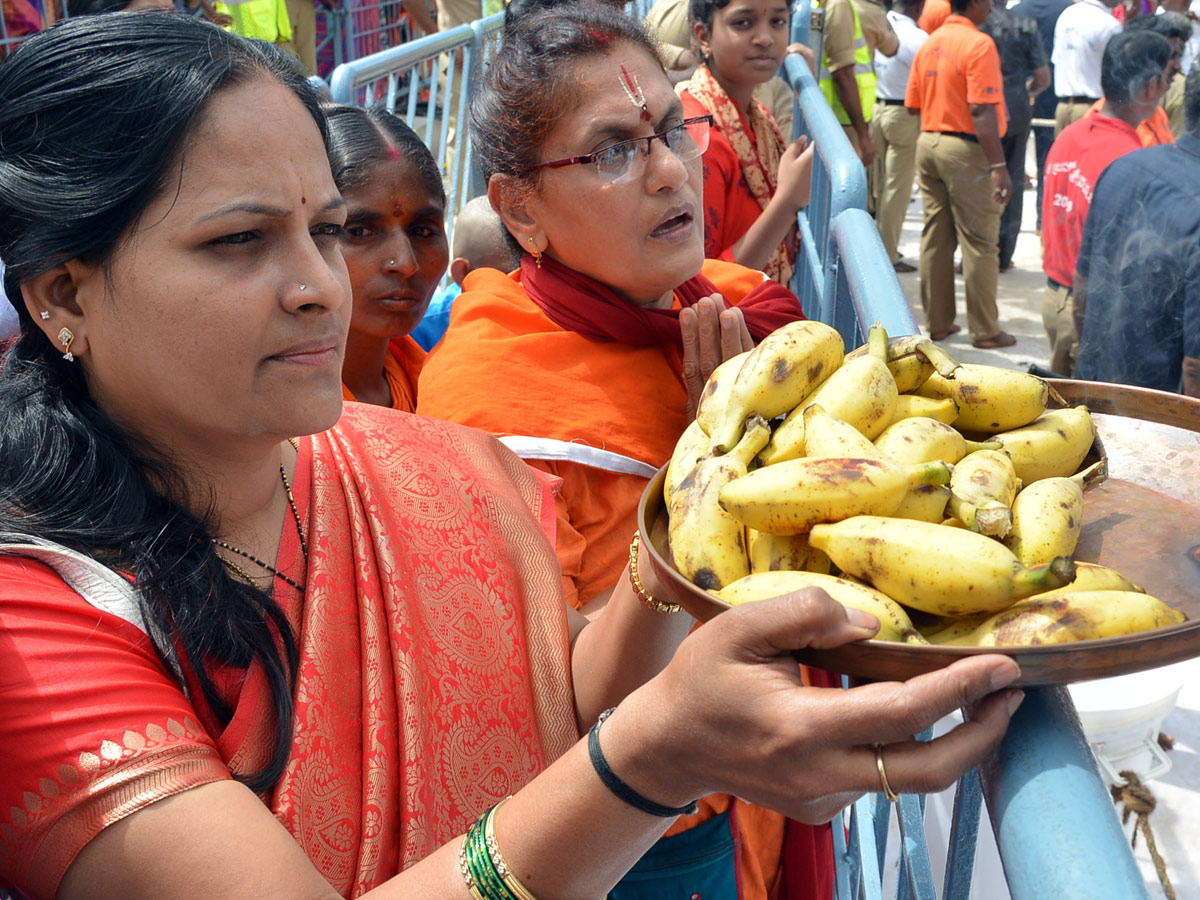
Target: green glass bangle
{"type": "Point", "coordinates": [479, 862]}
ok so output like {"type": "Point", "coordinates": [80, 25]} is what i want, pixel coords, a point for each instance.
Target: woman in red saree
{"type": "Point", "coordinates": [753, 184]}
{"type": "Point", "coordinates": [236, 666]}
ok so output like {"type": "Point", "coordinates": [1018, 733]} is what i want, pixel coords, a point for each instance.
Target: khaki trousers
{"type": "Point", "coordinates": [956, 191]}
{"type": "Point", "coordinates": [1066, 113]}
{"type": "Point", "coordinates": [895, 131]}
{"type": "Point", "coordinates": [1060, 329]}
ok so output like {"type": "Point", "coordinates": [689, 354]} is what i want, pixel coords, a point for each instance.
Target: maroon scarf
{"type": "Point", "coordinates": [581, 304]}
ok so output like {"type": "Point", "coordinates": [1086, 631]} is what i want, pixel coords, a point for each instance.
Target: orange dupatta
{"type": "Point", "coordinates": [434, 666]}
{"type": "Point", "coordinates": [758, 143]}
{"type": "Point", "coordinates": [401, 368]}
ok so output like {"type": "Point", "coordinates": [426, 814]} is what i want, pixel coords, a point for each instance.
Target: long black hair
{"type": "Point", "coordinates": [95, 116]}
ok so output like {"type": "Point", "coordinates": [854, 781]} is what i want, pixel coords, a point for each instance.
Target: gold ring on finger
{"type": "Point", "coordinates": [891, 795]}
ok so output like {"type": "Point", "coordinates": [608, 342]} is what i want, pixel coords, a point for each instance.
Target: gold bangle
{"type": "Point", "coordinates": [505, 872]}
{"type": "Point", "coordinates": [652, 602]}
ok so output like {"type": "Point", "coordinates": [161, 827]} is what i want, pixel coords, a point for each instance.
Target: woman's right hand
{"type": "Point", "coordinates": [795, 174]}
{"type": "Point", "coordinates": [731, 715]}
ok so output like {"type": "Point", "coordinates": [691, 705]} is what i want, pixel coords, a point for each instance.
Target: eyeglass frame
{"type": "Point", "coordinates": [648, 139]}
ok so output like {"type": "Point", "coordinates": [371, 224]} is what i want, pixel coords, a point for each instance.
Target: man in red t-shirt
{"type": "Point", "coordinates": [1134, 76]}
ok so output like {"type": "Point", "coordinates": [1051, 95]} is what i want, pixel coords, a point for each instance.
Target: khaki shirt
{"type": "Point", "coordinates": [839, 31]}
{"type": "Point", "coordinates": [667, 21]}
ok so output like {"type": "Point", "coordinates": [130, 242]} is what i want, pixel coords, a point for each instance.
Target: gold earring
{"type": "Point", "coordinates": [537, 254]}
{"type": "Point", "coordinates": [67, 337]}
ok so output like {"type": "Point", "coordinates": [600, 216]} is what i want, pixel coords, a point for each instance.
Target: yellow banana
{"type": "Point", "coordinates": [910, 405]}
{"type": "Point", "coordinates": [784, 552]}
{"type": "Point", "coordinates": [708, 545]}
{"type": "Point", "coordinates": [1054, 444]}
{"type": "Point", "coordinates": [825, 435]}
{"type": "Point", "coordinates": [990, 398]}
{"type": "Point", "coordinates": [894, 623]}
{"type": "Point", "coordinates": [944, 571]}
{"type": "Point", "coordinates": [921, 439]}
{"type": "Point", "coordinates": [1095, 577]}
{"type": "Point", "coordinates": [1072, 616]}
{"type": "Point", "coordinates": [925, 502]}
{"type": "Point", "coordinates": [714, 399]}
{"type": "Point", "coordinates": [779, 373]}
{"type": "Point", "coordinates": [911, 359]}
{"type": "Point", "coordinates": [1048, 516]}
{"type": "Point", "coordinates": [948, 628]}
{"type": "Point", "coordinates": [692, 445]}
{"type": "Point", "coordinates": [982, 490]}
{"type": "Point", "coordinates": [862, 393]}
{"type": "Point", "coordinates": [792, 496]}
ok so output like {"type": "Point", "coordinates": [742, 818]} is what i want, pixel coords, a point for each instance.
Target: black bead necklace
{"type": "Point", "coordinates": [238, 570]}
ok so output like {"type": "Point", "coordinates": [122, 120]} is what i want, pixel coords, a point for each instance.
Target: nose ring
{"type": "Point", "coordinates": [304, 287]}
{"type": "Point", "coordinates": [391, 262]}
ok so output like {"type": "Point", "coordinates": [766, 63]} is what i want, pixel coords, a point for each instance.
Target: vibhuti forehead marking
{"type": "Point", "coordinates": [633, 90]}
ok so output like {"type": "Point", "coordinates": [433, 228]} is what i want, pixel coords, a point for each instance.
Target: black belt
{"type": "Point", "coordinates": [1054, 285]}
{"type": "Point", "coordinates": [1078, 99]}
{"type": "Point", "coordinates": [886, 102]}
{"type": "Point", "coordinates": [961, 134]}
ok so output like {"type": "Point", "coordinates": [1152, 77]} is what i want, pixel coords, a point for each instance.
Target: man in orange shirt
{"type": "Point", "coordinates": [933, 15]}
{"type": "Point", "coordinates": [957, 88]}
{"type": "Point", "coordinates": [1176, 28]}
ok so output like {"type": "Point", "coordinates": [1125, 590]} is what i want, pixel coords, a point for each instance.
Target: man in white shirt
{"type": "Point", "coordinates": [894, 130]}
{"type": "Point", "coordinates": [1080, 36]}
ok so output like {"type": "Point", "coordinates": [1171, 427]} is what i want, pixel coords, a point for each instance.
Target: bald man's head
{"type": "Point", "coordinates": [478, 240]}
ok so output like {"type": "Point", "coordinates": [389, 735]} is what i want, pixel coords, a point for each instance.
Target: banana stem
{"type": "Point", "coordinates": [1057, 573]}
{"type": "Point", "coordinates": [756, 435]}
{"type": "Point", "coordinates": [877, 342]}
{"type": "Point", "coordinates": [933, 472]}
{"type": "Point", "coordinates": [972, 446]}
{"type": "Point", "coordinates": [1093, 475]}
{"type": "Point", "coordinates": [943, 362]}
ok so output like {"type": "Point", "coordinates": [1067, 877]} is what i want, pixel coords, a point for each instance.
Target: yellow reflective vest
{"type": "Point", "coordinates": [864, 75]}
{"type": "Point", "coordinates": [264, 19]}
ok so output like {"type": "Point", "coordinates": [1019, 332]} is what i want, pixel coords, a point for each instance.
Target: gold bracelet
{"type": "Point", "coordinates": [659, 606]}
{"type": "Point", "coordinates": [503, 869]}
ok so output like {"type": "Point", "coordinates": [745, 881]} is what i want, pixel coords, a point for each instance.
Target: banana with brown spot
{"type": "Point", "coordinates": [1048, 516]}
{"type": "Point", "coordinates": [982, 491]}
{"type": "Point", "coordinates": [990, 398]}
{"type": "Point", "coordinates": [707, 544]}
{"type": "Point", "coordinates": [780, 372]}
{"type": "Point", "coordinates": [1052, 445]}
{"type": "Point", "coordinates": [861, 393]}
{"type": "Point", "coordinates": [894, 623]}
{"type": "Point", "coordinates": [792, 496]}
{"type": "Point", "coordinates": [910, 406]}
{"type": "Point", "coordinates": [784, 553]}
{"type": "Point", "coordinates": [944, 571]}
{"type": "Point", "coordinates": [1072, 616]}
{"type": "Point", "coordinates": [921, 439]}
{"type": "Point", "coordinates": [825, 435]}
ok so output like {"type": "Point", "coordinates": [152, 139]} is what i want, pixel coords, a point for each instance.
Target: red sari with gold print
{"type": "Point", "coordinates": [433, 645]}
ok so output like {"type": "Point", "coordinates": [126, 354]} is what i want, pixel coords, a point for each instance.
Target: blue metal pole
{"type": "Point", "coordinates": [1055, 825]}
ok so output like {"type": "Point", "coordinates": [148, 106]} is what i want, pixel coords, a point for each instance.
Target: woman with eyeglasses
{"type": "Point", "coordinates": [258, 643]}
{"type": "Point", "coordinates": [753, 184]}
{"type": "Point", "coordinates": [589, 360]}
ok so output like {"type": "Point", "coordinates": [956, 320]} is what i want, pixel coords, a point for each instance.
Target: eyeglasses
{"type": "Point", "coordinates": [687, 140]}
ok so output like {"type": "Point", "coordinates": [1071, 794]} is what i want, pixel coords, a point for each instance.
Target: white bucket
{"type": "Point", "coordinates": [1121, 718]}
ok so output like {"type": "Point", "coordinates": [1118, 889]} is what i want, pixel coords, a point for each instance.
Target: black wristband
{"type": "Point", "coordinates": [619, 787]}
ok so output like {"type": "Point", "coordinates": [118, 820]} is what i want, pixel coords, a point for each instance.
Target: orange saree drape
{"type": "Point", "coordinates": [433, 678]}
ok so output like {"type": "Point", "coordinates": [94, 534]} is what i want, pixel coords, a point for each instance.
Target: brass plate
{"type": "Point", "coordinates": [1143, 521]}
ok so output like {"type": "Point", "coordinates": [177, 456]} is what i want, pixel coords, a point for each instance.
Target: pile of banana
{"type": "Point", "coordinates": [897, 479]}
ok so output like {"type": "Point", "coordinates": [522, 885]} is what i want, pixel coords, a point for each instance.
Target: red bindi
{"type": "Point", "coordinates": [303, 200]}
{"type": "Point", "coordinates": [395, 153]}
{"type": "Point", "coordinates": [397, 210]}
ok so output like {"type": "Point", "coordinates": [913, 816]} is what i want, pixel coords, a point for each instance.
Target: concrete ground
{"type": "Point", "coordinates": [1175, 821]}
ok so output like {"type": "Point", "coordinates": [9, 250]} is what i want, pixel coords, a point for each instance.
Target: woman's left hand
{"type": "Point", "coordinates": [712, 333]}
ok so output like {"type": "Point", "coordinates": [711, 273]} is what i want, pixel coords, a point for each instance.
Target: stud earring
{"type": "Point", "coordinates": [66, 336]}
{"type": "Point", "coordinates": [536, 253]}
{"type": "Point", "coordinates": [304, 287]}
{"type": "Point", "coordinates": [44, 314]}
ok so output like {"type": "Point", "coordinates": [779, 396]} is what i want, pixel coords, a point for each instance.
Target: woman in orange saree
{"type": "Point", "coordinates": [236, 666]}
